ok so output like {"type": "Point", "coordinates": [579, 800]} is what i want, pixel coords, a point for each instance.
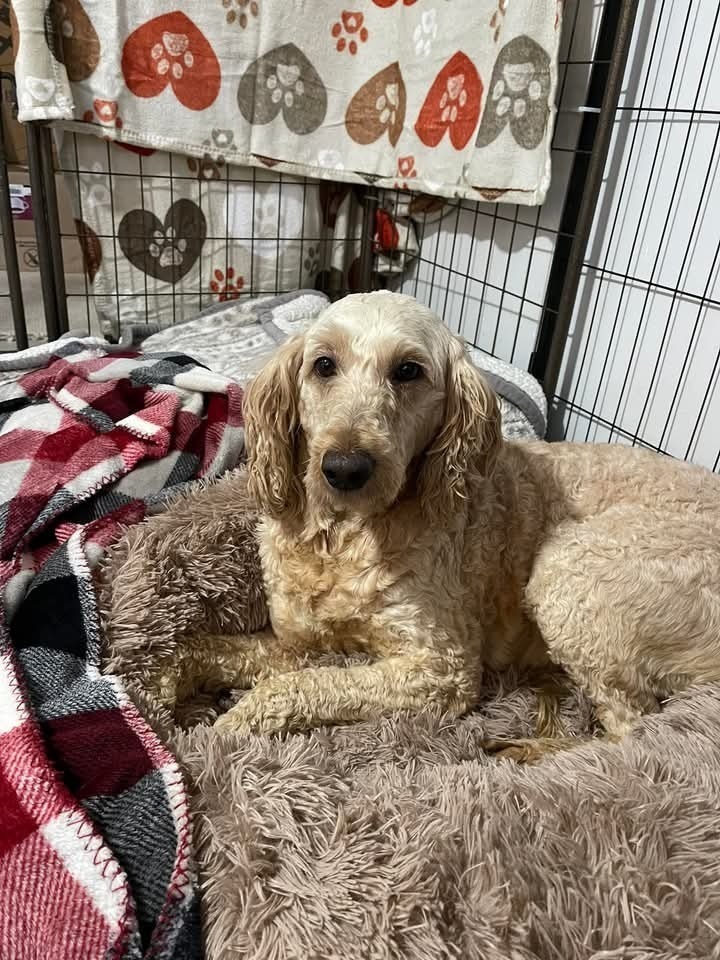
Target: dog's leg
{"type": "Point", "coordinates": [549, 686]}
{"type": "Point", "coordinates": [617, 710]}
{"type": "Point", "coordinates": [320, 695]}
{"type": "Point", "coordinates": [628, 604]}
{"type": "Point", "coordinates": [218, 661]}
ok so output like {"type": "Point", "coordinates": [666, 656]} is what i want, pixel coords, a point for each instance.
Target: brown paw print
{"type": "Point", "coordinates": [209, 166]}
{"type": "Point", "coordinates": [71, 37]}
{"type": "Point", "coordinates": [498, 18]}
{"type": "Point", "coordinates": [351, 24]}
{"type": "Point", "coordinates": [226, 286]}
{"type": "Point", "coordinates": [241, 11]}
{"type": "Point", "coordinates": [312, 261]}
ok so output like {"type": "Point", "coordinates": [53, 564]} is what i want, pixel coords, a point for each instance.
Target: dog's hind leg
{"type": "Point", "coordinates": [530, 749]}
{"type": "Point", "coordinates": [629, 604]}
{"type": "Point", "coordinates": [549, 685]}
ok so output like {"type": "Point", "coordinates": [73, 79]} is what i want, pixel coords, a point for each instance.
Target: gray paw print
{"type": "Point", "coordinates": [312, 261]}
{"type": "Point", "coordinates": [212, 162]}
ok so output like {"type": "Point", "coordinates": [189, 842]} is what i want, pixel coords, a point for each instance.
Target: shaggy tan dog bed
{"type": "Point", "coordinates": [401, 838]}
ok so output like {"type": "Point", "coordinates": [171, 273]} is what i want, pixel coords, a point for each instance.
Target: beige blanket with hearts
{"type": "Point", "coordinates": [449, 97]}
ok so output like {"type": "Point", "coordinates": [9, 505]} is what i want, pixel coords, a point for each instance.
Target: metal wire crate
{"type": "Point", "coordinates": [608, 293]}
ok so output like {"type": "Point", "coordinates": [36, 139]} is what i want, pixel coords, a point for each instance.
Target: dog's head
{"type": "Point", "coordinates": [376, 399]}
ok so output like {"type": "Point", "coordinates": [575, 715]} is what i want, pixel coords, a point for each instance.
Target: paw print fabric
{"type": "Point", "coordinates": [190, 232]}
{"type": "Point", "coordinates": [335, 90]}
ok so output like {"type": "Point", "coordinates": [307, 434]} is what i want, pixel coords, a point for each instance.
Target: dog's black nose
{"type": "Point", "coordinates": [347, 471]}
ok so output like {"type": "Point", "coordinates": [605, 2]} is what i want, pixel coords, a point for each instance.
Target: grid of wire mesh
{"type": "Point", "coordinates": [643, 355]}
{"type": "Point", "coordinates": [273, 225]}
{"type": "Point", "coordinates": [642, 358]}
{"type": "Point", "coordinates": [485, 267]}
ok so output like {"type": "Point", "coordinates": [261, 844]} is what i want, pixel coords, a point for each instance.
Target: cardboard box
{"type": "Point", "coordinates": [21, 201]}
{"type": "Point", "coordinates": [6, 50]}
{"type": "Point", "coordinates": [13, 132]}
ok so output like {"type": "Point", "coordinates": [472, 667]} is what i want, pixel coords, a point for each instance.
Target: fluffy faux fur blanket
{"type": "Point", "coordinates": [400, 838]}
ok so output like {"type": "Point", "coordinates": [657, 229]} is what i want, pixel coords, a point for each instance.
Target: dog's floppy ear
{"type": "Point", "coordinates": [272, 428]}
{"type": "Point", "coordinates": [468, 439]}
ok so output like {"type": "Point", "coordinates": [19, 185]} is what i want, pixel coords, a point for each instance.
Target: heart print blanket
{"type": "Point", "coordinates": [449, 97]}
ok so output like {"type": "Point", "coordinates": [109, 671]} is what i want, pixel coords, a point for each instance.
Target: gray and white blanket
{"type": "Point", "coordinates": [236, 338]}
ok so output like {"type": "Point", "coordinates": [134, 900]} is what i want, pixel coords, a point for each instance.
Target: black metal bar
{"type": "Point", "coordinates": [12, 267]}
{"type": "Point", "coordinates": [42, 229]}
{"type": "Point", "coordinates": [369, 208]}
{"type": "Point", "coordinates": [612, 48]}
{"type": "Point", "coordinates": [53, 217]}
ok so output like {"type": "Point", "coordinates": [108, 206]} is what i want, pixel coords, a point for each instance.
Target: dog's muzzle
{"type": "Point", "coordinates": [347, 471]}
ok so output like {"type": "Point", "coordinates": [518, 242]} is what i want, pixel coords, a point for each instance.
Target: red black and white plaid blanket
{"type": "Point", "coordinates": [95, 843]}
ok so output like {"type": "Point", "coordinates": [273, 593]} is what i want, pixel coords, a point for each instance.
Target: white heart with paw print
{"type": "Point", "coordinates": [40, 88]}
{"type": "Point", "coordinates": [268, 221]}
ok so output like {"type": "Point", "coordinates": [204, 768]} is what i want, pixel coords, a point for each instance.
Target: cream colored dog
{"type": "Point", "coordinates": [397, 523]}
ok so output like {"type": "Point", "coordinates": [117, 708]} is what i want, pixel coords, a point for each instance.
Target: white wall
{"type": "Point", "coordinates": [643, 356]}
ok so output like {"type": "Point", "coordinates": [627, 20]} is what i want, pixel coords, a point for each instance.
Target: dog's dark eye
{"type": "Point", "coordinates": [324, 367]}
{"type": "Point", "coordinates": [406, 371]}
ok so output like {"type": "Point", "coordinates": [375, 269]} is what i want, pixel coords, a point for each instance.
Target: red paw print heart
{"type": "Point", "coordinates": [379, 105]}
{"type": "Point", "coordinates": [391, 3]}
{"type": "Point", "coordinates": [452, 104]}
{"type": "Point", "coordinates": [106, 110]}
{"type": "Point", "coordinates": [386, 237]}
{"type": "Point", "coordinates": [171, 50]}
{"type": "Point", "coordinates": [406, 167]}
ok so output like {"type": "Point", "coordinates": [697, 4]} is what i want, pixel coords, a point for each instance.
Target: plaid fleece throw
{"type": "Point", "coordinates": [95, 844]}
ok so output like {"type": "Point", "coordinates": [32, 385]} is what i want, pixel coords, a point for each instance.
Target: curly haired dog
{"type": "Point", "coordinates": [397, 523]}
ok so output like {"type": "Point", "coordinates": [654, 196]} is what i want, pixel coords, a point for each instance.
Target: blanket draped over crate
{"type": "Point", "coordinates": [453, 98]}
{"type": "Point", "coordinates": [95, 848]}
{"type": "Point", "coordinates": [190, 132]}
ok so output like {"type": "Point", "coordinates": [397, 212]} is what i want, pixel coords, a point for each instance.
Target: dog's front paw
{"type": "Point", "coordinates": [229, 723]}
{"type": "Point", "coordinates": [164, 687]}
{"type": "Point", "coordinates": [254, 714]}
